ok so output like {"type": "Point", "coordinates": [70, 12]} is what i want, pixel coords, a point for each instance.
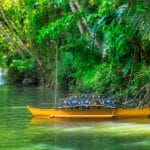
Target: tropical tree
{"type": "Point", "coordinates": [99, 46]}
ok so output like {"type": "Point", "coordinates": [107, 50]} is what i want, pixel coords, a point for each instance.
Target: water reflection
{"type": "Point", "coordinates": [84, 122]}
{"type": "Point", "coordinates": [20, 131]}
{"type": "Point", "coordinates": [96, 134]}
{"type": "Point", "coordinates": [3, 74]}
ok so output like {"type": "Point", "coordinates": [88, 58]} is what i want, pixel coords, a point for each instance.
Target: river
{"type": "Point", "coordinates": [20, 131]}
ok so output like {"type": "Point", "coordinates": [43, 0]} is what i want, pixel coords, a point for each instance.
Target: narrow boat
{"type": "Point", "coordinates": [89, 108]}
{"type": "Point", "coordinates": [90, 113]}
{"type": "Point", "coordinates": [71, 113]}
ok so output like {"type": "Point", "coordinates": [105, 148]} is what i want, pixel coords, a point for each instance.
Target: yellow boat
{"type": "Point", "coordinates": [71, 113]}
{"type": "Point", "coordinates": [102, 113]}
{"type": "Point", "coordinates": [132, 112]}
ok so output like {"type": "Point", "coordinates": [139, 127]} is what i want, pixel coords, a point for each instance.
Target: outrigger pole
{"type": "Point", "coordinates": [56, 73]}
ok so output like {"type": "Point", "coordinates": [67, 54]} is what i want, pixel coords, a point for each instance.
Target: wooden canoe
{"type": "Point", "coordinates": [132, 112]}
{"type": "Point", "coordinates": [90, 113]}
{"type": "Point", "coordinates": [71, 113]}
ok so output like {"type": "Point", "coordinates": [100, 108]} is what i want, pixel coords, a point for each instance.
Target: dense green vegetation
{"type": "Point", "coordinates": [103, 46]}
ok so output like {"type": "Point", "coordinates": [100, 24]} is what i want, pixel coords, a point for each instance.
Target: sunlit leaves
{"type": "Point", "coordinates": [23, 65]}
{"type": "Point", "coordinates": [7, 4]}
{"type": "Point", "coordinates": [120, 28]}
{"type": "Point", "coordinates": [55, 29]}
{"type": "Point", "coordinates": [106, 7]}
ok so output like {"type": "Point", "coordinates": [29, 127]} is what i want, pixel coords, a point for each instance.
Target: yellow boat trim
{"type": "Point", "coordinates": [82, 116]}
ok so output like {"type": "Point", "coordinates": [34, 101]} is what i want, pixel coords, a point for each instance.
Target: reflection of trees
{"type": "Point", "coordinates": [78, 135]}
{"type": "Point", "coordinates": [2, 76]}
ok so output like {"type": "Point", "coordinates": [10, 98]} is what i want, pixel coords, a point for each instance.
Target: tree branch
{"type": "Point", "coordinates": [11, 29]}
{"type": "Point", "coordinates": [10, 40]}
{"type": "Point", "coordinates": [96, 42]}
{"type": "Point", "coordinates": [19, 45]}
{"type": "Point", "coordinates": [73, 8]}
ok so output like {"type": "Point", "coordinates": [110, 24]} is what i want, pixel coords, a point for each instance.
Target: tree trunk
{"type": "Point", "coordinates": [74, 9]}
{"type": "Point", "coordinates": [78, 8]}
{"type": "Point", "coordinates": [10, 40]}
{"type": "Point", "coordinates": [16, 41]}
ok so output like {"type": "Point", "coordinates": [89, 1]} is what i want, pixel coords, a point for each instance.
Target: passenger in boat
{"type": "Point", "coordinates": [87, 101]}
{"type": "Point", "coordinates": [107, 102]}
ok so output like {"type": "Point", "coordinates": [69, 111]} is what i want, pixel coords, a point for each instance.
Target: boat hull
{"type": "Point", "coordinates": [71, 113]}
{"type": "Point", "coordinates": [89, 113]}
{"type": "Point", "coordinates": [132, 112]}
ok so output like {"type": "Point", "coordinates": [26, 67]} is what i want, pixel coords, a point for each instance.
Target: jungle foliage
{"type": "Point", "coordinates": [103, 46]}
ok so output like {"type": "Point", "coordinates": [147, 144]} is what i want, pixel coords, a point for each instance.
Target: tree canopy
{"type": "Point", "coordinates": [103, 46]}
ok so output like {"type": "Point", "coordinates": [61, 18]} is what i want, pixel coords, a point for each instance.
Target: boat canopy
{"type": "Point", "coordinates": [88, 101]}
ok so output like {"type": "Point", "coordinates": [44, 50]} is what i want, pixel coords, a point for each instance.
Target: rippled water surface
{"type": "Point", "coordinates": [19, 131]}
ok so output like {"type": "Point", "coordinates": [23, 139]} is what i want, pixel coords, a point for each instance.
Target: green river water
{"type": "Point", "coordinates": [20, 131]}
